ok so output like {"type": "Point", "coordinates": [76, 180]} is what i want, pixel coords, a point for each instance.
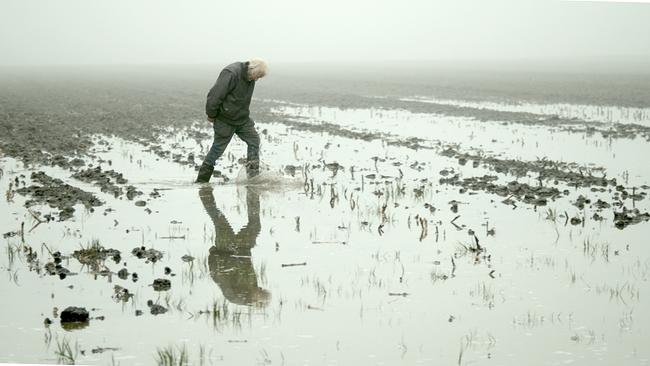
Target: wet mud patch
{"type": "Point", "coordinates": [73, 314]}
{"type": "Point", "coordinates": [571, 174]}
{"type": "Point", "coordinates": [109, 181]}
{"type": "Point", "coordinates": [513, 191]}
{"type": "Point", "coordinates": [161, 284]}
{"type": "Point", "coordinates": [156, 309]}
{"type": "Point", "coordinates": [626, 217]}
{"type": "Point", "coordinates": [149, 255]}
{"type": "Point", "coordinates": [57, 194]}
{"type": "Point", "coordinates": [55, 266]}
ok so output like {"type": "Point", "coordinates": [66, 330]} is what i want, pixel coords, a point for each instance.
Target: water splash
{"type": "Point", "coordinates": [267, 179]}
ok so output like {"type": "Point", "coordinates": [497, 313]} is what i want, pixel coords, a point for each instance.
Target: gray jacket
{"type": "Point", "coordinates": [230, 97]}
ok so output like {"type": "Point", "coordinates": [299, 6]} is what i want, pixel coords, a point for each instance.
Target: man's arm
{"type": "Point", "coordinates": [224, 85]}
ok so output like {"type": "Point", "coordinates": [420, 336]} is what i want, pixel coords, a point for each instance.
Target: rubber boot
{"type": "Point", "coordinates": [252, 169]}
{"type": "Point", "coordinates": [205, 172]}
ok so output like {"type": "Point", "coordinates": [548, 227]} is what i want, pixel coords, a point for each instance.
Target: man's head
{"type": "Point", "coordinates": [257, 69]}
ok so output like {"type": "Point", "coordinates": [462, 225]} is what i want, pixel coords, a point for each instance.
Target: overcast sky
{"type": "Point", "coordinates": [199, 31]}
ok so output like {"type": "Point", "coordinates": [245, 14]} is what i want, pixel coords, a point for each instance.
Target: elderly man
{"type": "Point", "coordinates": [227, 108]}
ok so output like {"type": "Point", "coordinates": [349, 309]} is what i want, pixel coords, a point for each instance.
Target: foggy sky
{"type": "Point", "coordinates": [201, 31]}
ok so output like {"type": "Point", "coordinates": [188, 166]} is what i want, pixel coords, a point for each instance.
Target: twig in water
{"type": "Point", "coordinates": [478, 246]}
{"type": "Point", "coordinates": [453, 223]}
{"type": "Point", "coordinates": [293, 264]}
{"type": "Point", "coordinates": [453, 266]}
{"type": "Point", "coordinates": [35, 217]}
{"type": "Point", "coordinates": [48, 249]}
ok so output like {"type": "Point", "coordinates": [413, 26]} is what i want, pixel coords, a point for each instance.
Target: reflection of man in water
{"type": "Point", "coordinates": [230, 258]}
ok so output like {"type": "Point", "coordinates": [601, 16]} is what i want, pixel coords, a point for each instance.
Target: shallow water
{"type": "Point", "coordinates": [494, 137]}
{"type": "Point", "coordinates": [335, 266]}
{"type": "Point", "coordinates": [585, 112]}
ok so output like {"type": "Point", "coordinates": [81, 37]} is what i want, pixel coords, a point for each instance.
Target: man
{"type": "Point", "coordinates": [227, 108]}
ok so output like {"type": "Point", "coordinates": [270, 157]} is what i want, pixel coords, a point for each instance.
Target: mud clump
{"type": "Point", "coordinates": [73, 314]}
{"type": "Point", "coordinates": [132, 192]}
{"type": "Point", "coordinates": [161, 284]}
{"type": "Point", "coordinates": [156, 309]}
{"type": "Point", "coordinates": [121, 294]}
{"type": "Point", "coordinates": [123, 274]}
{"type": "Point", "coordinates": [63, 162]}
{"type": "Point", "coordinates": [570, 173]}
{"type": "Point", "coordinates": [103, 349]}
{"type": "Point", "coordinates": [581, 201]}
{"type": "Point", "coordinates": [600, 204]}
{"type": "Point", "coordinates": [523, 192]}
{"type": "Point", "coordinates": [107, 180]}
{"type": "Point", "coordinates": [627, 217]}
{"type": "Point", "coordinates": [187, 258]}
{"type": "Point", "coordinates": [576, 221]}
{"type": "Point", "coordinates": [158, 150]}
{"type": "Point", "coordinates": [184, 159]}
{"type": "Point", "coordinates": [622, 193]}
{"type": "Point", "coordinates": [151, 255]}
{"type": "Point", "coordinates": [54, 268]}
{"type": "Point", "coordinates": [57, 194]}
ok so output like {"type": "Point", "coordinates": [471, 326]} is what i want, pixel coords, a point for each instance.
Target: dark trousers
{"type": "Point", "coordinates": [223, 133]}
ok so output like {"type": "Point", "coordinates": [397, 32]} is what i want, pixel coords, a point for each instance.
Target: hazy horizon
{"type": "Point", "coordinates": [75, 32]}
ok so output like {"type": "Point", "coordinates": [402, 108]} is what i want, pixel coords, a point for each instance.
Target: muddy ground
{"type": "Point", "coordinates": [383, 229]}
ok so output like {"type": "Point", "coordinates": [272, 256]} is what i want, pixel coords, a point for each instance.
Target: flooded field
{"type": "Point", "coordinates": [374, 236]}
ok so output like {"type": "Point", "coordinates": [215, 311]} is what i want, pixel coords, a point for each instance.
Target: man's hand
{"type": "Point", "coordinates": [210, 119]}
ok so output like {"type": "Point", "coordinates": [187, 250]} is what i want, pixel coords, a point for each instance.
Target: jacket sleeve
{"type": "Point", "coordinates": [224, 85]}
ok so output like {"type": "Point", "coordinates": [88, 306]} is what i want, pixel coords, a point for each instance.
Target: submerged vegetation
{"type": "Point", "coordinates": [172, 356]}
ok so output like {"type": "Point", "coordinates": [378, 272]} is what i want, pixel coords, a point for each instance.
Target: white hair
{"type": "Point", "coordinates": [257, 68]}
